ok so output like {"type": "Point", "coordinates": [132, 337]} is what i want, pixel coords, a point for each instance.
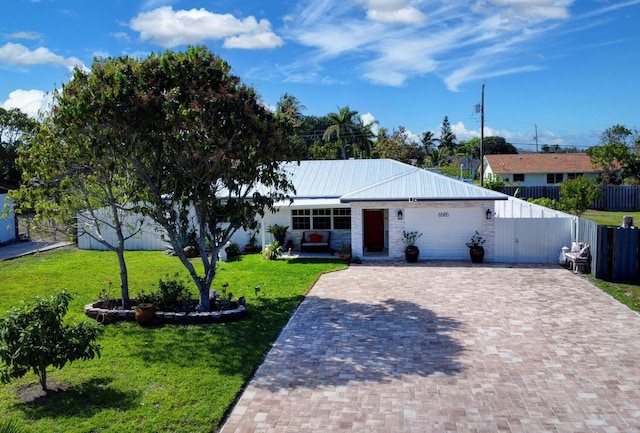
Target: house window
{"type": "Point", "coordinates": [321, 219]}
{"type": "Point", "coordinates": [554, 178]}
{"type": "Point", "coordinates": [518, 177]}
{"type": "Point", "coordinates": [301, 219]}
{"type": "Point", "coordinates": [574, 175]}
{"type": "Point", "coordinates": [342, 218]}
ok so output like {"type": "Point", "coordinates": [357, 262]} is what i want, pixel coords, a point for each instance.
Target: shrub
{"type": "Point", "coordinates": [33, 337]}
{"type": "Point", "coordinates": [171, 295]}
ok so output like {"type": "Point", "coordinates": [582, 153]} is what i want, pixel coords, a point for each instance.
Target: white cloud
{"type": "Point", "coordinates": [24, 35]}
{"type": "Point", "coordinates": [169, 28]}
{"type": "Point", "coordinates": [31, 102]}
{"type": "Point", "coordinates": [17, 54]}
{"type": "Point", "coordinates": [460, 41]}
{"type": "Point", "coordinates": [369, 119]}
{"type": "Point", "coordinates": [121, 36]}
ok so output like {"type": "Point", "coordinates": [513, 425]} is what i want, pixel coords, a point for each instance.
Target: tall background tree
{"type": "Point", "coordinates": [206, 154]}
{"type": "Point", "coordinates": [14, 129]}
{"type": "Point", "coordinates": [344, 125]}
{"type": "Point", "coordinates": [447, 138]}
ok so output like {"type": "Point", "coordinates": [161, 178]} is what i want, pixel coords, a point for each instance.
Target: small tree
{"type": "Point", "coordinates": [494, 182]}
{"type": "Point", "coordinates": [33, 337]}
{"type": "Point", "coordinates": [577, 195]}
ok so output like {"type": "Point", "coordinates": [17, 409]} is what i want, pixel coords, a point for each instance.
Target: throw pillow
{"type": "Point", "coordinates": [315, 237]}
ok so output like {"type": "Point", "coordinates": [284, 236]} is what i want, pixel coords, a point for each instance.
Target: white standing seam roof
{"type": "Point", "coordinates": [376, 180]}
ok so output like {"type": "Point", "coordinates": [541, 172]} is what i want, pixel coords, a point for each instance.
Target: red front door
{"type": "Point", "coordinates": [373, 229]}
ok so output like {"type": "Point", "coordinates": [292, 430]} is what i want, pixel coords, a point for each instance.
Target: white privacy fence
{"type": "Point", "coordinates": [528, 233]}
{"type": "Point", "coordinates": [516, 208]}
{"type": "Point", "coordinates": [148, 236]}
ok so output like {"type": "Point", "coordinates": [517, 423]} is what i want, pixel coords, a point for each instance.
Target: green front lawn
{"type": "Point", "coordinates": [605, 218]}
{"type": "Point", "coordinates": [178, 378]}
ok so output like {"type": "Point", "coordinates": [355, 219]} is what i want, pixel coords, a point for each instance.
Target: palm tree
{"type": "Point", "coordinates": [428, 139]}
{"type": "Point", "coordinates": [343, 125]}
{"type": "Point", "coordinates": [364, 138]}
{"type": "Point", "coordinates": [291, 108]}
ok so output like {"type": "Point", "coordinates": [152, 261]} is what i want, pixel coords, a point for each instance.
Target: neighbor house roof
{"type": "Point", "coordinates": [377, 180]}
{"type": "Point", "coordinates": [541, 163]}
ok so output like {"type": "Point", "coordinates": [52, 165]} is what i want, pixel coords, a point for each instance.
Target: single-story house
{"type": "Point", "coordinates": [539, 169]}
{"type": "Point", "coordinates": [369, 203]}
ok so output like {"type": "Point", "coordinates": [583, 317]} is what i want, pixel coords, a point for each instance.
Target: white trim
{"type": "Point", "coordinates": [312, 203]}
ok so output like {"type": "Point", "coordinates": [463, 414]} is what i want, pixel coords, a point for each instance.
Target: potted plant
{"type": "Point", "coordinates": [278, 232]}
{"type": "Point", "coordinates": [144, 313]}
{"type": "Point", "coordinates": [251, 247]}
{"type": "Point", "coordinates": [476, 250]}
{"type": "Point", "coordinates": [272, 251]}
{"type": "Point", "coordinates": [411, 251]}
{"type": "Point", "coordinates": [344, 251]}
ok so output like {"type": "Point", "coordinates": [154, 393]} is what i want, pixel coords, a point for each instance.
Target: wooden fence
{"type": "Point", "coordinates": [614, 198]}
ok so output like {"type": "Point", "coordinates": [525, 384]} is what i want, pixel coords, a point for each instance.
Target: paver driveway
{"type": "Point", "coordinates": [449, 347]}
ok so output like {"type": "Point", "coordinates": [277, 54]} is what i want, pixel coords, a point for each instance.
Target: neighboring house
{"type": "Point", "coordinates": [7, 219]}
{"type": "Point", "coordinates": [538, 169]}
{"type": "Point", "coordinates": [370, 202]}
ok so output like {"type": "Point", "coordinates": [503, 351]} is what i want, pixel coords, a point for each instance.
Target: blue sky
{"type": "Point", "coordinates": [568, 69]}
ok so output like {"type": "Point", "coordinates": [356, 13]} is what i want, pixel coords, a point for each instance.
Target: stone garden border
{"type": "Point", "coordinates": [97, 311]}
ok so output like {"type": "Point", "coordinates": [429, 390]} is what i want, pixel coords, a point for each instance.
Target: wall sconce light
{"type": "Point", "coordinates": [489, 214]}
{"type": "Point", "coordinates": [400, 215]}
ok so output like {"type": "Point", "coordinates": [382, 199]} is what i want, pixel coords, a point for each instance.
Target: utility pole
{"type": "Point", "coordinates": [536, 137]}
{"type": "Point", "coordinates": [482, 138]}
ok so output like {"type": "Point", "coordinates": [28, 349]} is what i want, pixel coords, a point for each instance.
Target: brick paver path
{"type": "Point", "coordinates": [449, 347]}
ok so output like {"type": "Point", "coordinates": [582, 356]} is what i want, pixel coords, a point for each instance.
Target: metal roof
{"type": "Point", "coordinates": [378, 180]}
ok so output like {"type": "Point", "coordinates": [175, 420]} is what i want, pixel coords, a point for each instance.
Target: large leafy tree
{"type": "Point", "coordinates": [14, 129]}
{"type": "Point", "coordinates": [205, 152]}
{"type": "Point", "coordinates": [344, 125]}
{"type": "Point", "coordinates": [398, 145]}
{"type": "Point", "coordinates": [495, 145]}
{"type": "Point", "coordinates": [75, 180]}
{"type": "Point", "coordinates": [617, 155]}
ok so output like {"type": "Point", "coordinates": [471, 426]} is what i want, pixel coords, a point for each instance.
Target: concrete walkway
{"type": "Point", "coordinates": [20, 249]}
{"type": "Point", "coordinates": [449, 347]}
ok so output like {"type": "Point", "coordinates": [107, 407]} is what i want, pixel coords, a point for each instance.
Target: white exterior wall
{"type": "Point", "coordinates": [7, 224]}
{"type": "Point", "coordinates": [531, 179]}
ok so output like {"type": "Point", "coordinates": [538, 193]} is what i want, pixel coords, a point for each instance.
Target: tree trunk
{"type": "Point", "coordinates": [42, 376]}
{"type": "Point", "coordinates": [124, 279]}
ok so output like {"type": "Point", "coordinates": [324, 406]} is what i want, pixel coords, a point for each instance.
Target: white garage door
{"type": "Point", "coordinates": [445, 231]}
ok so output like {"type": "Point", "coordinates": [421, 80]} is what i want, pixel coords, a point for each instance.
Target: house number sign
{"type": "Point", "coordinates": [443, 214]}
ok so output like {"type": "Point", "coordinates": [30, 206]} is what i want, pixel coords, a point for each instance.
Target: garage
{"type": "Point", "coordinates": [445, 229]}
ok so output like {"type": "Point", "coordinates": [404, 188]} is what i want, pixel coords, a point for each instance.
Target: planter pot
{"type": "Point", "coordinates": [144, 314]}
{"type": "Point", "coordinates": [476, 254]}
{"type": "Point", "coordinates": [411, 254]}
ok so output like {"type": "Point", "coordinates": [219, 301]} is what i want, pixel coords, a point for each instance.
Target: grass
{"type": "Point", "coordinates": [606, 218]}
{"type": "Point", "coordinates": [168, 378]}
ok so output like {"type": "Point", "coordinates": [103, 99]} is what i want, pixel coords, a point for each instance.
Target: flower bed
{"type": "Point", "coordinates": [105, 313]}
